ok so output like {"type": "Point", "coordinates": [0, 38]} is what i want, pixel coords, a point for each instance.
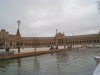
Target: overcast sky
{"type": "Point", "coordinates": [42, 17]}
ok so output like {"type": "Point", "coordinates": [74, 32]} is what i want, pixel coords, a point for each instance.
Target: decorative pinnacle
{"type": "Point", "coordinates": [56, 31]}
{"type": "Point", "coordinates": [18, 22]}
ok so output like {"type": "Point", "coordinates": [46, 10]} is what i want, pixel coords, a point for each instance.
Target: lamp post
{"type": "Point", "coordinates": [73, 39]}
{"type": "Point", "coordinates": [19, 22]}
{"type": "Point", "coordinates": [56, 31]}
{"type": "Point", "coordinates": [36, 44]}
{"type": "Point", "coordinates": [3, 45]}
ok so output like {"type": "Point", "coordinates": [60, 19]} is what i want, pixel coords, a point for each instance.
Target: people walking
{"type": "Point", "coordinates": [57, 47]}
{"type": "Point", "coordinates": [64, 46]}
{"type": "Point", "coordinates": [7, 49]}
{"type": "Point", "coordinates": [51, 48]}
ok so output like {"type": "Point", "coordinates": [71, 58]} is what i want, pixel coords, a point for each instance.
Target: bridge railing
{"type": "Point", "coordinates": [2, 53]}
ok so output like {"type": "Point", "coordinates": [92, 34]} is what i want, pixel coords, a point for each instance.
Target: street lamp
{"type": "Point", "coordinates": [73, 39]}
{"type": "Point", "coordinates": [19, 22]}
{"type": "Point", "coordinates": [36, 44]}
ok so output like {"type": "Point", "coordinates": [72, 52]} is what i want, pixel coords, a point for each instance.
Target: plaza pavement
{"type": "Point", "coordinates": [24, 50]}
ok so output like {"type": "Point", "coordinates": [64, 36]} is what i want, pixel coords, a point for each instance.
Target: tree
{"type": "Point", "coordinates": [98, 5]}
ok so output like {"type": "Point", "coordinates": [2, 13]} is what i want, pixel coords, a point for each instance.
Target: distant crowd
{"type": "Point", "coordinates": [51, 48]}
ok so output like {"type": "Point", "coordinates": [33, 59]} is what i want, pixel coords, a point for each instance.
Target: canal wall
{"type": "Point", "coordinates": [18, 55]}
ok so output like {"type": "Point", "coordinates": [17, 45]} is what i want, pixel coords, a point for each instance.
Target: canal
{"type": "Point", "coordinates": [71, 62]}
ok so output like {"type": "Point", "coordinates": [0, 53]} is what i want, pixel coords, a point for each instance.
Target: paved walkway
{"type": "Point", "coordinates": [24, 50]}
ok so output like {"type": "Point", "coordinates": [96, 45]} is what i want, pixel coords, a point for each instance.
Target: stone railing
{"type": "Point", "coordinates": [3, 53]}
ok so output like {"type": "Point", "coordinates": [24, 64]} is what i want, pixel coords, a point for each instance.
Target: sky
{"type": "Point", "coordinates": [41, 18]}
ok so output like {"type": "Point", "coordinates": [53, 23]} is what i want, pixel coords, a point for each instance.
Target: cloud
{"type": "Point", "coordinates": [43, 17]}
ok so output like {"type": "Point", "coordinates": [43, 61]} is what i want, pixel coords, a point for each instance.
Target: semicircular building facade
{"type": "Point", "coordinates": [13, 40]}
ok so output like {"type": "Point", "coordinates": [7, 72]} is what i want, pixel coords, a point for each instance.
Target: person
{"type": "Point", "coordinates": [7, 49]}
{"type": "Point", "coordinates": [18, 49]}
{"type": "Point", "coordinates": [51, 47]}
{"type": "Point", "coordinates": [64, 47]}
{"type": "Point", "coordinates": [57, 47]}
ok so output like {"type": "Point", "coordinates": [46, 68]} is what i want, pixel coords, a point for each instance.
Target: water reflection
{"type": "Point", "coordinates": [4, 64]}
{"type": "Point", "coordinates": [19, 62]}
{"type": "Point", "coordinates": [62, 58]}
{"type": "Point", "coordinates": [19, 66]}
{"type": "Point", "coordinates": [72, 62]}
{"type": "Point", "coordinates": [36, 64]}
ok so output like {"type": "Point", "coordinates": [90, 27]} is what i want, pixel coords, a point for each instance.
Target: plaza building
{"type": "Point", "coordinates": [14, 40]}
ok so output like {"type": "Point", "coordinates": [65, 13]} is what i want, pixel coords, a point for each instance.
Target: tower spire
{"type": "Point", "coordinates": [56, 31]}
{"type": "Point", "coordinates": [18, 32]}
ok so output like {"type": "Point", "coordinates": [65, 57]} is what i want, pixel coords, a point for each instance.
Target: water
{"type": "Point", "coordinates": [75, 62]}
